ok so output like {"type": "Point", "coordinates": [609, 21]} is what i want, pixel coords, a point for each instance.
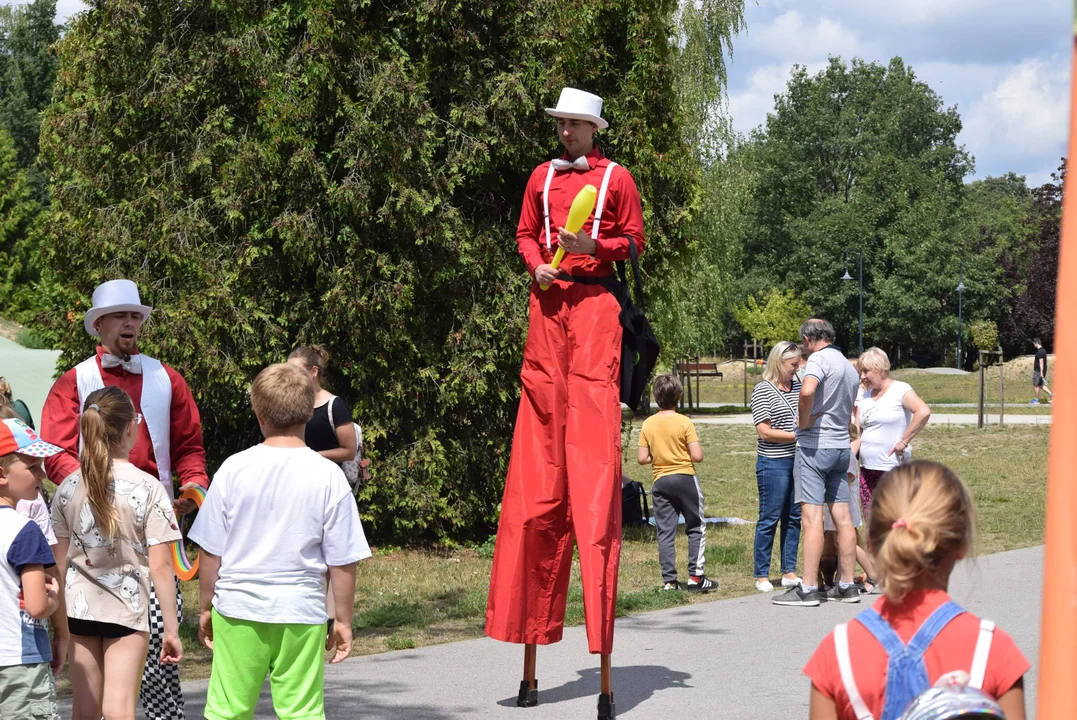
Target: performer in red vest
{"type": "Point", "coordinates": [169, 441]}
{"type": "Point", "coordinates": [564, 476]}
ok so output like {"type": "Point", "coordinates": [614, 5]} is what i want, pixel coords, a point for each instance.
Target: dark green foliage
{"type": "Point", "coordinates": [18, 212]}
{"type": "Point", "coordinates": [345, 172]}
{"type": "Point", "coordinates": [27, 72]}
{"type": "Point", "coordinates": [1033, 274]}
{"type": "Point", "coordinates": [860, 156]}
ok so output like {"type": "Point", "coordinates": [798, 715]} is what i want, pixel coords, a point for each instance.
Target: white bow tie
{"type": "Point", "coordinates": [134, 365]}
{"type": "Point", "coordinates": [579, 163]}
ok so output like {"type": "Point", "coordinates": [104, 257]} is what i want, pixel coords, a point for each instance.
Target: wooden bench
{"type": "Point", "coordinates": [701, 369]}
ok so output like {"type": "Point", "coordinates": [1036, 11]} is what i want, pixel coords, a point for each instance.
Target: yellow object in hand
{"type": "Point", "coordinates": [581, 209]}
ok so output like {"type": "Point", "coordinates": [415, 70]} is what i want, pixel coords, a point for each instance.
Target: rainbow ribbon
{"type": "Point", "coordinates": [185, 568]}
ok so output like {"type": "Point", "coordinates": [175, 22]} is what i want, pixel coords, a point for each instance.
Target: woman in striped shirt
{"type": "Point", "coordinates": [774, 412]}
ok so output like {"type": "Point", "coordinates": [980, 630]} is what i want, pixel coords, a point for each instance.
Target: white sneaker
{"type": "Point", "coordinates": [787, 583]}
{"type": "Point", "coordinates": [764, 586]}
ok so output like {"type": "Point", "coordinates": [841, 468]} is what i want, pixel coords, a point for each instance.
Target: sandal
{"type": "Point", "coordinates": [864, 586]}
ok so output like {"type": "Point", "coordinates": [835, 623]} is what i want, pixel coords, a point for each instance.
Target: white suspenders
{"type": "Point", "coordinates": [845, 665]}
{"type": "Point", "coordinates": [599, 206]}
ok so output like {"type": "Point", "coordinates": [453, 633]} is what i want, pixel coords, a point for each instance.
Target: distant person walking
{"type": "Point", "coordinates": [822, 460]}
{"type": "Point", "coordinates": [24, 412]}
{"type": "Point", "coordinates": [1039, 373]}
{"type": "Point", "coordinates": [774, 412]}
{"type": "Point", "coordinates": [889, 415]}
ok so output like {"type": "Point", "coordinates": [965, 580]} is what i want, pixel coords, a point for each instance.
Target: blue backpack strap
{"type": "Point", "coordinates": [933, 626]}
{"type": "Point", "coordinates": [906, 674]}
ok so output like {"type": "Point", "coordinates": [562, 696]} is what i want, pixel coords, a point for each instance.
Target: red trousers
{"type": "Point", "coordinates": [564, 477]}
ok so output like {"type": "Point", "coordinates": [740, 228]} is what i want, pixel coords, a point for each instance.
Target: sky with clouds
{"type": "Point", "coordinates": [1003, 63]}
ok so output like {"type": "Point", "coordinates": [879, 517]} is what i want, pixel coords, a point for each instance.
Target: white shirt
{"type": "Point", "coordinates": [883, 420]}
{"type": "Point", "coordinates": [277, 517]}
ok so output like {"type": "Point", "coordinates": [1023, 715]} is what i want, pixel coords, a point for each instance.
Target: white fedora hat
{"type": "Point", "coordinates": [579, 105]}
{"type": "Point", "coordinates": [114, 296]}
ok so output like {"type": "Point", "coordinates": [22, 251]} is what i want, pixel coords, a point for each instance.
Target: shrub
{"type": "Point", "coordinates": [277, 174]}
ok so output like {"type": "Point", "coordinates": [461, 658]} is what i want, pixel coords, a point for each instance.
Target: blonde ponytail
{"type": "Point", "coordinates": [105, 417]}
{"type": "Point", "coordinates": [921, 517]}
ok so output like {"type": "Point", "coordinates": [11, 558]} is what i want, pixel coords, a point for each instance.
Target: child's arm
{"type": "Point", "coordinates": [695, 451]}
{"type": "Point", "coordinates": [342, 584]}
{"type": "Point", "coordinates": [1012, 701]}
{"type": "Point", "coordinates": [38, 592]}
{"type": "Point", "coordinates": [61, 636]}
{"type": "Point", "coordinates": [164, 585]}
{"type": "Point", "coordinates": [822, 707]}
{"type": "Point", "coordinates": [209, 567]}
{"type": "Point", "coordinates": [643, 455]}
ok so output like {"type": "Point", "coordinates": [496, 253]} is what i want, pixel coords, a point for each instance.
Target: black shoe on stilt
{"type": "Point", "coordinates": [528, 696]}
{"type": "Point", "coordinates": [607, 710]}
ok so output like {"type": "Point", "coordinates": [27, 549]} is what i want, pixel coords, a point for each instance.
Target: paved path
{"type": "Point", "coordinates": [936, 419]}
{"type": "Point", "coordinates": [738, 658]}
{"type": "Point", "coordinates": [30, 373]}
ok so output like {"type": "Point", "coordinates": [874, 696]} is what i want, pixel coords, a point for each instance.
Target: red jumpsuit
{"type": "Point", "coordinates": [564, 477]}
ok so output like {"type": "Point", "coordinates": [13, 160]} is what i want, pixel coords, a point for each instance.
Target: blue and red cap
{"type": "Point", "coordinates": [17, 437]}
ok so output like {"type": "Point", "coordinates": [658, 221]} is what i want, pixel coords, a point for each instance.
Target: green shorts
{"type": "Point", "coordinates": [244, 651]}
{"type": "Point", "coordinates": [27, 692]}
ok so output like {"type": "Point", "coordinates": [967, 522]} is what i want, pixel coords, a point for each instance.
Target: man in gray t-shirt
{"type": "Point", "coordinates": [822, 460]}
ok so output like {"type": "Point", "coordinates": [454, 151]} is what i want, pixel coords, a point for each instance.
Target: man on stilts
{"type": "Point", "coordinates": [564, 477]}
{"type": "Point", "coordinates": [169, 442]}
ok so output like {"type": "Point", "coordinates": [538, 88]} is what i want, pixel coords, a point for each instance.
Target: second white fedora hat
{"type": "Point", "coordinates": [579, 105]}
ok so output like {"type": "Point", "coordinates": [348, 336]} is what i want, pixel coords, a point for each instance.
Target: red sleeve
{"type": "Point", "coordinates": [532, 224]}
{"type": "Point", "coordinates": [185, 434]}
{"type": "Point", "coordinates": [823, 671]}
{"type": "Point", "coordinates": [60, 426]}
{"type": "Point", "coordinates": [626, 216]}
{"type": "Point", "coordinates": [1005, 665]}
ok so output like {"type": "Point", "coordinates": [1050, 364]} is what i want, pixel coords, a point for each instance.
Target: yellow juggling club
{"type": "Point", "coordinates": [577, 216]}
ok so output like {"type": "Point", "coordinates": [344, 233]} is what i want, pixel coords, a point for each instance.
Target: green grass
{"type": "Point", "coordinates": [930, 387]}
{"type": "Point", "coordinates": [29, 339]}
{"type": "Point", "coordinates": [413, 597]}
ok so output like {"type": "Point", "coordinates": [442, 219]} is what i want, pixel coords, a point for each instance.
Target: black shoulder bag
{"type": "Point", "coordinates": [639, 346]}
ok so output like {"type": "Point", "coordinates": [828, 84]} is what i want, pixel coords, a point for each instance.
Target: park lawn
{"type": "Point", "coordinates": [931, 387]}
{"type": "Point", "coordinates": [411, 597]}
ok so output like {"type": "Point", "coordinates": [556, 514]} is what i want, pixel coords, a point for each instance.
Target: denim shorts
{"type": "Point", "coordinates": [819, 475]}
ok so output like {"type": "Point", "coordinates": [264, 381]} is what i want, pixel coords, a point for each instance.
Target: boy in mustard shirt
{"type": "Point", "coordinates": [669, 443]}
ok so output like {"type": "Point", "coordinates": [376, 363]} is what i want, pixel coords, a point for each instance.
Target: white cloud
{"type": "Point", "coordinates": [790, 37]}
{"type": "Point", "coordinates": [67, 8]}
{"type": "Point", "coordinates": [1026, 114]}
{"type": "Point", "coordinates": [749, 105]}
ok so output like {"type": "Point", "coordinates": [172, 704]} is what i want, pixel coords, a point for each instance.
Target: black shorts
{"type": "Point", "coordinates": [93, 628]}
{"type": "Point", "coordinates": [1037, 380]}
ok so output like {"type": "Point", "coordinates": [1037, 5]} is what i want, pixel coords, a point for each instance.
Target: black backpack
{"type": "Point", "coordinates": [639, 346]}
{"type": "Point", "coordinates": [634, 510]}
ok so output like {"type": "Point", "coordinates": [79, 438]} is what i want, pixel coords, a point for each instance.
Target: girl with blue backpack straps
{"type": "Point", "coordinates": [915, 637]}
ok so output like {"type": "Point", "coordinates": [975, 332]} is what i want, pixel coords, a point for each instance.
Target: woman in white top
{"type": "Point", "coordinates": [889, 415]}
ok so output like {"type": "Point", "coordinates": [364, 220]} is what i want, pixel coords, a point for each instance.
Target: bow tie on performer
{"type": "Point", "coordinates": [579, 215]}
{"type": "Point", "coordinates": [168, 443]}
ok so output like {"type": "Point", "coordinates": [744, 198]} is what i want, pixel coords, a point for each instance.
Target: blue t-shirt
{"type": "Point", "coordinates": [23, 640]}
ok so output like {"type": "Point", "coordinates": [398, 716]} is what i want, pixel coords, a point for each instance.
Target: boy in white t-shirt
{"type": "Point", "coordinates": [276, 517]}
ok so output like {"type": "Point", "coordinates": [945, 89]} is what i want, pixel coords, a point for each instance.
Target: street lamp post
{"type": "Point", "coordinates": [847, 276]}
{"type": "Point", "coordinates": [960, 298]}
